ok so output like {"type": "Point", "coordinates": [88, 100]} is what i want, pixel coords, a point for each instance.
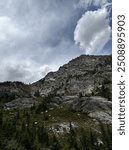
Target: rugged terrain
{"type": "Point", "coordinates": [84, 84]}
{"type": "Point", "coordinates": [85, 74]}
{"type": "Point", "coordinates": [78, 95]}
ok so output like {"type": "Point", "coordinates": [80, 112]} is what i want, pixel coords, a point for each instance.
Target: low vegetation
{"type": "Point", "coordinates": [31, 129]}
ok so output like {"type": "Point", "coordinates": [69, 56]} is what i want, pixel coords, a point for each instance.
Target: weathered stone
{"type": "Point", "coordinates": [96, 107]}
{"type": "Point", "coordinates": [20, 103]}
{"type": "Point", "coordinates": [84, 84]}
{"type": "Point", "coordinates": [86, 74]}
{"type": "Point", "coordinates": [13, 90]}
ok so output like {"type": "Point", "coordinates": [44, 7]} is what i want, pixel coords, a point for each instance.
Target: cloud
{"type": "Point", "coordinates": [36, 32]}
{"type": "Point", "coordinates": [8, 29]}
{"type": "Point", "coordinates": [93, 31]}
{"type": "Point", "coordinates": [97, 3]}
{"type": "Point", "coordinates": [37, 36]}
{"type": "Point", "coordinates": [25, 71]}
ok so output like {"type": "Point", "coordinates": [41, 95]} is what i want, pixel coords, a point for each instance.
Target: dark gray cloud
{"type": "Point", "coordinates": [36, 36]}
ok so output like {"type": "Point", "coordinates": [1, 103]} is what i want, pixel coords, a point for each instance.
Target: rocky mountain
{"type": "Point", "coordinates": [13, 90]}
{"type": "Point", "coordinates": [84, 84]}
{"type": "Point", "coordinates": [85, 74]}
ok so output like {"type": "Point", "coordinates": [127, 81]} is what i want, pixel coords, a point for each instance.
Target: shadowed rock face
{"type": "Point", "coordinates": [84, 84]}
{"type": "Point", "coordinates": [13, 90]}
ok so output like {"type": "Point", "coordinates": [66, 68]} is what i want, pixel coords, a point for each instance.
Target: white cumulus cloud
{"type": "Point", "coordinates": [93, 31]}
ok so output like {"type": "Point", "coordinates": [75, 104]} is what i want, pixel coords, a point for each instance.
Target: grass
{"type": "Point", "coordinates": [55, 115]}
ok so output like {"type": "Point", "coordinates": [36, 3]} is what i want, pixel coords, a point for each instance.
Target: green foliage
{"type": "Point", "coordinates": [20, 131]}
{"type": "Point", "coordinates": [42, 135]}
{"type": "Point", "coordinates": [37, 93]}
{"type": "Point", "coordinates": [105, 92]}
{"type": "Point", "coordinates": [42, 107]}
{"type": "Point", "coordinates": [106, 135]}
{"type": "Point", "coordinates": [55, 143]}
{"type": "Point", "coordinates": [72, 139]}
{"type": "Point", "coordinates": [80, 94]}
{"type": "Point", "coordinates": [7, 97]}
{"type": "Point", "coordinates": [14, 145]}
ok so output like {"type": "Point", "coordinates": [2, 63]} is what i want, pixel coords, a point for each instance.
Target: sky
{"type": "Point", "coordinates": [38, 36]}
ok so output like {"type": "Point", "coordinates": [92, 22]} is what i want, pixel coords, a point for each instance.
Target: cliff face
{"type": "Point", "coordinates": [86, 75]}
{"type": "Point", "coordinates": [67, 109]}
{"type": "Point", "coordinates": [84, 84]}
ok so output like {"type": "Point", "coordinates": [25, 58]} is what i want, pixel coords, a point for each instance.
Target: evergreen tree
{"type": "Point", "coordinates": [72, 139]}
{"type": "Point", "coordinates": [43, 137]}
{"type": "Point", "coordinates": [55, 143]}
{"type": "Point", "coordinates": [106, 136]}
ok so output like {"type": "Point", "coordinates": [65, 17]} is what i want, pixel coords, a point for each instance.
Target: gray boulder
{"type": "Point", "coordinates": [20, 103]}
{"type": "Point", "coordinates": [95, 107]}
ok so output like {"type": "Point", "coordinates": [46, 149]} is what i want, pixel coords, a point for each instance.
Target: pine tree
{"type": "Point", "coordinates": [43, 137]}
{"type": "Point", "coordinates": [72, 138]}
{"type": "Point", "coordinates": [55, 143]}
{"type": "Point", "coordinates": [106, 136]}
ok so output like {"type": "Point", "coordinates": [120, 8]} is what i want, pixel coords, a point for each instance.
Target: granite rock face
{"type": "Point", "coordinates": [13, 90]}
{"type": "Point", "coordinates": [95, 106]}
{"type": "Point", "coordinates": [84, 84]}
{"type": "Point", "coordinates": [87, 75]}
{"type": "Point", "coordinates": [20, 103]}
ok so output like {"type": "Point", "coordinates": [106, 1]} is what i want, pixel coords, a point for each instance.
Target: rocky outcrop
{"type": "Point", "coordinates": [20, 103]}
{"type": "Point", "coordinates": [87, 75]}
{"type": "Point", "coordinates": [13, 90]}
{"type": "Point", "coordinates": [95, 107]}
{"type": "Point", "coordinates": [84, 84]}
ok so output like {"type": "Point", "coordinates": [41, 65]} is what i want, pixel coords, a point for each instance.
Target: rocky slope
{"type": "Point", "coordinates": [86, 75]}
{"type": "Point", "coordinates": [84, 84]}
{"type": "Point", "coordinates": [13, 90]}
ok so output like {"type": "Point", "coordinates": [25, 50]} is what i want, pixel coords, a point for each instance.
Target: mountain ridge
{"type": "Point", "coordinates": [83, 65]}
{"type": "Point", "coordinates": [84, 84]}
